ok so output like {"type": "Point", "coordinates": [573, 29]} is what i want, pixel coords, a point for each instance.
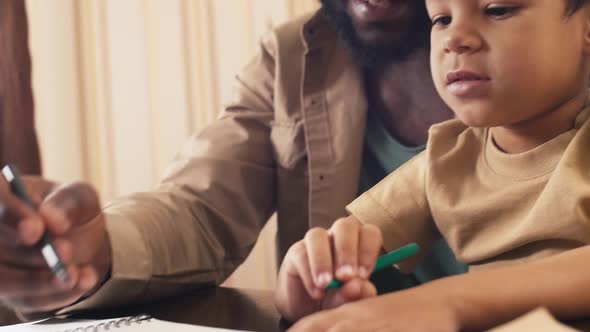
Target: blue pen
{"type": "Point", "coordinates": [48, 251]}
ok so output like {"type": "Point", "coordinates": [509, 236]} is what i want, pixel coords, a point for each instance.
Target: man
{"type": "Point", "coordinates": [330, 105]}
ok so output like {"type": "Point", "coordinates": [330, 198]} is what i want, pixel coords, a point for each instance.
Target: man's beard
{"type": "Point", "coordinates": [375, 54]}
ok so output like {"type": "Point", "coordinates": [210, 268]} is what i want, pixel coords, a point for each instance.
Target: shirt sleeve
{"type": "Point", "coordinates": [205, 216]}
{"type": "Point", "coordinates": [398, 205]}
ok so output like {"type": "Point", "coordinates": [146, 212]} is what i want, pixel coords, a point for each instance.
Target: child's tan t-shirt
{"type": "Point", "coordinates": [491, 207]}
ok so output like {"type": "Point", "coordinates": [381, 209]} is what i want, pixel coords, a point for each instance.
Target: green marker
{"type": "Point", "coordinates": [386, 260]}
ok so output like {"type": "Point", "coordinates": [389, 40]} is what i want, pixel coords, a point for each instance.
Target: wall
{"type": "Point", "coordinates": [119, 84]}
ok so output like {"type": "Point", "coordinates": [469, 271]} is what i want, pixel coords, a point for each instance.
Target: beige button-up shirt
{"type": "Point", "coordinates": [290, 141]}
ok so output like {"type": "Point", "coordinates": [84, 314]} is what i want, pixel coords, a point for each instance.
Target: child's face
{"type": "Point", "coordinates": [502, 62]}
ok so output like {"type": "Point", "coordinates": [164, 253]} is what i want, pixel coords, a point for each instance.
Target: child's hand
{"type": "Point", "coordinates": [347, 251]}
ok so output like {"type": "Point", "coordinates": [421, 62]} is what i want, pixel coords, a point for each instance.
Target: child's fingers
{"type": "Point", "coordinates": [353, 290]}
{"type": "Point", "coordinates": [317, 243]}
{"type": "Point", "coordinates": [345, 234]}
{"type": "Point", "coordinates": [297, 266]}
{"type": "Point", "coordinates": [370, 243]}
{"type": "Point", "coordinates": [368, 289]}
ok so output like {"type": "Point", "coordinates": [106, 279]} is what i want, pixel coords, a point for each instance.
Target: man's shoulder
{"type": "Point", "coordinates": [300, 33]}
{"type": "Point", "coordinates": [294, 27]}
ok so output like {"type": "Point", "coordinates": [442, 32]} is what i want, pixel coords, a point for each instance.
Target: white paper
{"type": "Point", "coordinates": [150, 325]}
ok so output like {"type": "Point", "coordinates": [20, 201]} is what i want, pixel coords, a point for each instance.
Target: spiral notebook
{"type": "Point", "coordinates": [140, 323]}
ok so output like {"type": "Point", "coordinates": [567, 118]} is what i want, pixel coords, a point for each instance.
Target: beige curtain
{"type": "Point", "coordinates": [120, 84]}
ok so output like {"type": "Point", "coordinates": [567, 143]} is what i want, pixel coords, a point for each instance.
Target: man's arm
{"type": "Point", "coordinates": [205, 216]}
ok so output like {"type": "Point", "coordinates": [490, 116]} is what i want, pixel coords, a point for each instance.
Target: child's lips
{"type": "Point", "coordinates": [464, 75]}
{"type": "Point", "coordinates": [467, 84]}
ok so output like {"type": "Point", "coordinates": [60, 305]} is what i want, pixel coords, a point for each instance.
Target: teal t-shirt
{"type": "Point", "coordinates": [382, 155]}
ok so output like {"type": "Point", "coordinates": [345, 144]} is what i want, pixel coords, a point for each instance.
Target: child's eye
{"type": "Point", "coordinates": [441, 21]}
{"type": "Point", "coordinates": [500, 12]}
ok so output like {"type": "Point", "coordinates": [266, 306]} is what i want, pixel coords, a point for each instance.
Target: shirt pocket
{"type": "Point", "coordinates": [288, 141]}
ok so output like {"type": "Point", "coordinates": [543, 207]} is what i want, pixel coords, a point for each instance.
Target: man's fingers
{"type": "Point", "coordinates": [9, 236]}
{"type": "Point", "coordinates": [30, 230]}
{"type": "Point", "coordinates": [71, 204]}
{"type": "Point", "coordinates": [370, 243]}
{"type": "Point", "coordinates": [33, 304]}
{"type": "Point", "coordinates": [27, 282]}
{"type": "Point", "coordinates": [12, 209]}
{"type": "Point", "coordinates": [38, 188]}
{"type": "Point", "coordinates": [17, 282]}
{"type": "Point", "coordinates": [31, 257]}
{"type": "Point", "coordinates": [317, 242]}
{"type": "Point", "coordinates": [51, 294]}
{"type": "Point", "coordinates": [88, 278]}
{"type": "Point", "coordinates": [64, 249]}
{"type": "Point", "coordinates": [22, 257]}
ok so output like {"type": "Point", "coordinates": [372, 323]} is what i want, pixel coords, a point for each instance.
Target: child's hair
{"type": "Point", "coordinates": [572, 6]}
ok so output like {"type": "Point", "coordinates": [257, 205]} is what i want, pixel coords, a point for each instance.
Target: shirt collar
{"type": "Point", "coordinates": [317, 31]}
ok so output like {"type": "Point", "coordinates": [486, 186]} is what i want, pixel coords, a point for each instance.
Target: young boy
{"type": "Point", "coordinates": [501, 183]}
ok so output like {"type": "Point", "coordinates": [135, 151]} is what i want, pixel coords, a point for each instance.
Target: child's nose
{"type": "Point", "coordinates": [461, 39]}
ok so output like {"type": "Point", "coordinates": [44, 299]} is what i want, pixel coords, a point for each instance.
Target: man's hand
{"type": "Point", "coordinates": [7, 316]}
{"type": "Point", "coordinates": [71, 215]}
{"type": "Point", "coordinates": [421, 309]}
{"type": "Point", "coordinates": [347, 251]}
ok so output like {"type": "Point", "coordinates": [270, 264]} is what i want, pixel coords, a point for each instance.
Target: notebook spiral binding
{"type": "Point", "coordinates": [113, 324]}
